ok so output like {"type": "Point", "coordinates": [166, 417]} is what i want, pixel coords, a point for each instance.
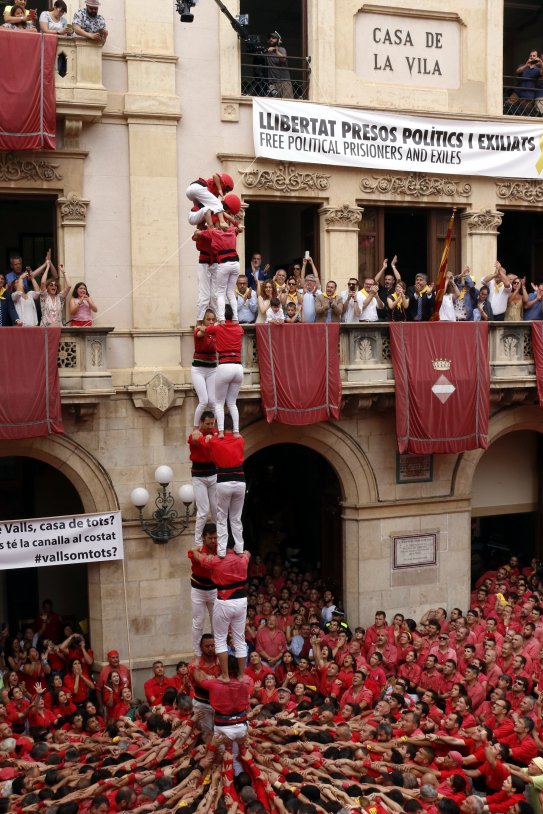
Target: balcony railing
{"type": "Point", "coordinates": [78, 81]}
{"type": "Point", "coordinates": [522, 97]}
{"type": "Point", "coordinates": [256, 81]}
{"type": "Point", "coordinates": [82, 362]}
{"type": "Point", "coordinates": [366, 363]}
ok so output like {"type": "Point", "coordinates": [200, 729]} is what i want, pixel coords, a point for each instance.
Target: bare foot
{"type": "Point", "coordinates": [225, 679]}
{"type": "Point", "coordinates": [236, 434]}
{"type": "Point", "coordinates": [221, 435]}
{"type": "Point", "coordinates": [240, 676]}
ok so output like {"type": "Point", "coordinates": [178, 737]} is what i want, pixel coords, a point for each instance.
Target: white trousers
{"type": "Point", "coordinates": [205, 497]}
{"type": "Point", "coordinates": [203, 381]}
{"type": "Point", "coordinates": [203, 714]}
{"type": "Point", "coordinates": [236, 732]}
{"type": "Point", "coordinates": [226, 278]}
{"type": "Point", "coordinates": [201, 601]}
{"type": "Point", "coordinates": [229, 617]}
{"type": "Point", "coordinates": [228, 381]}
{"type": "Point", "coordinates": [230, 500]}
{"type": "Point", "coordinates": [207, 297]}
{"type": "Point", "coordinates": [196, 192]}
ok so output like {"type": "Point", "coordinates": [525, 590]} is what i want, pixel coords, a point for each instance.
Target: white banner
{"type": "Point", "coordinates": [319, 134]}
{"type": "Point", "coordinates": [77, 538]}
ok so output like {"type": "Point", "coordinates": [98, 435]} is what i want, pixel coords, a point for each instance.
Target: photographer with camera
{"type": "Point", "coordinates": [279, 83]}
{"type": "Point", "coordinates": [74, 648]}
{"type": "Point", "coordinates": [352, 301]}
{"type": "Point", "coordinates": [529, 72]}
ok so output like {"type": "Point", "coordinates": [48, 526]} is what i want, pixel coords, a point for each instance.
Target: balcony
{"type": "Point", "coordinates": [255, 82]}
{"type": "Point", "coordinates": [79, 89]}
{"type": "Point", "coordinates": [514, 104]}
{"type": "Point", "coordinates": [82, 366]}
{"type": "Point", "coordinates": [366, 365]}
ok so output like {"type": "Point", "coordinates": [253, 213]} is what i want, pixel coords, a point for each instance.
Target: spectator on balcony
{"type": "Point", "coordinates": [8, 314]}
{"type": "Point", "coordinates": [25, 301]}
{"type": "Point", "coordinates": [280, 280]}
{"type": "Point", "coordinates": [388, 286]}
{"type": "Point", "coordinates": [293, 313]}
{"type": "Point", "coordinates": [329, 306]}
{"type": "Point", "coordinates": [309, 298]}
{"type": "Point", "coordinates": [81, 307]}
{"type": "Point", "coordinates": [18, 21]}
{"type": "Point", "coordinates": [533, 309]}
{"type": "Point", "coordinates": [274, 314]}
{"type": "Point", "coordinates": [499, 286]}
{"type": "Point", "coordinates": [450, 295]}
{"type": "Point", "coordinates": [292, 296]}
{"type": "Point", "coordinates": [55, 20]}
{"type": "Point", "coordinates": [421, 299]}
{"type": "Point", "coordinates": [279, 83]}
{"type": "Point", "coordinates": [255, 273]}
{"type": "Point", "coordinates": [517, 300]}
{"type": "Point", "coordinates": [483, 309]}
{"type": "Point", "coordinates": [11, 17]}
{"type": "Point", "coordinates": [371, 301]}
{"type": "Point", "coordinates": [352, 301]}
{"type": "Point", "coordinates": [16, 269]}
{"type": "Point", "coordinates": [51, 301]}
{"type": "Point", "coordinates": [266, 294]}
{"type": "Point", "coordinates": [398, 303]}
{"type": "Point", "coordinates": [467, 296]}
{"type": "Point", "coordinates": [247, 301]}
{"type": "Point", "coordinates": [89, 24]}
{"type": "Point", "coordinates": [529, 72]}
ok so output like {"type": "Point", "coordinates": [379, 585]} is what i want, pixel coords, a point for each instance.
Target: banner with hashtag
{"type": "Point", "coordinates": [61, 540]}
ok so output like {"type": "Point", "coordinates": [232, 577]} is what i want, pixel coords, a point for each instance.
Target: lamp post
{"type": "Point", "coordinates": [164, 526]}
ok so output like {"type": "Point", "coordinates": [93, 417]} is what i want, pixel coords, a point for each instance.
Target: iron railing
{"type": "Point", "coordinates": [522, 97]}
{"type": "Point", "coordinates": [255, 79]}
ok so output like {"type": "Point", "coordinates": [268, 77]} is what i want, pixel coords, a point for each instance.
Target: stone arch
{"type": "Point", "coordinates": [84, 472]}
{"type": "Point", "coordinates": [504, 422]}
{"type": "Point", "coordinates": [355, 475]}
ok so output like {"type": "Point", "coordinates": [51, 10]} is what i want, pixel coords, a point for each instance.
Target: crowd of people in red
{"type": "Point", "coordinates": [443, 714]}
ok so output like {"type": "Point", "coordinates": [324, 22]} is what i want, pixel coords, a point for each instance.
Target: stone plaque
{"type": "Point", "coordinates": [414, 468]}
{"type": "Point", "coordinates": [397, 49]}
{"type": "Point", "coordinates": [414, 551]}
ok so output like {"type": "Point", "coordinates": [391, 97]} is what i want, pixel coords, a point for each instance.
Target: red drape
{"type": "Point", "coordinates": [537, 345]}
{"type": "Point", "coordinates": [27, 91]}
{"type": "Point", "coordinates": [442, 377]}
{"type": "Point", "coordinates": [30, 396]}
{"type": "Point", "coordinates": [299, 372]}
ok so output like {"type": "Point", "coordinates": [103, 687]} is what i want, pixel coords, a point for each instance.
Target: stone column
{"type": "Point", "coordinates": [480, 239]}
{"type": "Point", "coordinates": [152, 110]}
{"type": "Point", "coordinates": [339, 242]}
{"type": "Point", "coordinates": [72, 212]}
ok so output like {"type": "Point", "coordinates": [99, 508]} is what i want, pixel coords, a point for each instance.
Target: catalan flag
{"type": "Point", "coordinates": [441, 277]}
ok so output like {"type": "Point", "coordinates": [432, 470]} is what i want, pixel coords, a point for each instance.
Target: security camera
{"type": "Point", "coordinates": [183, 9]}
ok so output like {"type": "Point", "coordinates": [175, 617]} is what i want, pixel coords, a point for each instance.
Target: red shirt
{"type": "Point", "coordinates": [225, 571]}
{"type": "Point", "coordinates": [227, 699]}
{"type": "Point", "coordinates": [200, 456]}
{"type": "Point", "coordinates": [522, 750]}
{"type": "Point", "coordinates": [228, 341]}
{"type": "Point", "coordinates": [82, 691]}
{"type": "Point", "coordinates": [227, 452]}
{"type": "Point", "coordinates": [211, 670]}
{"type": "Point", "coordinates": [154, 689]}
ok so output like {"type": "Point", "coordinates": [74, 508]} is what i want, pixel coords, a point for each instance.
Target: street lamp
{"type": "Point", "coordinates": [164, 527]}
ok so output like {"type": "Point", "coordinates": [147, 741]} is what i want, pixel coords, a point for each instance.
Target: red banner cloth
{"type": "Point", "coordinates": [537, 345]}
{"type": "Point", "coordinates": [30, 397]}
{"type": "Point", "coordinates": [27, 90]}
{"type": "Point", "coordinates": [299, 372]}
{"type": "Point", "coordinates": [442, 376]}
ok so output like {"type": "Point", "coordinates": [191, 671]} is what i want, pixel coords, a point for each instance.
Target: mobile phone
{"type": "Point", "coordinates": [306, 255]}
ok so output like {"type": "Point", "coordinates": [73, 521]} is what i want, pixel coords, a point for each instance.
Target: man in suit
{"type": "Point", "coordinates": [8, 314]}
{"type": "Point", "coordinates": [422, 299]}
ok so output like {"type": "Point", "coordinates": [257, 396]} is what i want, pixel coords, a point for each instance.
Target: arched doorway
{"type": "Point", "coordinates": [505, 502]}
{"type": "Point", "coordinates": [292, 509]}
{"type": "Point", "coordinates": [32, 488]}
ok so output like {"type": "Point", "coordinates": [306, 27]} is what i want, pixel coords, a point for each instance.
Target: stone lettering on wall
{"type": "Point", "coordinates": [402, 50]}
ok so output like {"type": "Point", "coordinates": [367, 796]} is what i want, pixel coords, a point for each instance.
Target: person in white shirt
{"type": "Point", "coordinates": [247, 300]}
{"type": "Point", "coordinates": [275, 314]}
{"type": "Point", "coordinates": [309, 313]}
{"type": "Point", "coordinates": [370, 301]}
{"type": "Point", "coordinates": [450, 295]}
{"type": "Point", "coordinates": [500, 289]}
{"type": "Point", "coordinates": [352, 301]}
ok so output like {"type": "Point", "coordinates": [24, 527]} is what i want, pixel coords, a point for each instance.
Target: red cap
{"type": "Point", "coordinates": [112, 653]}
{"type": "Point", "coordinates": [226, 181]}
{"type": "Point", "coordinates": [232, 202]}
